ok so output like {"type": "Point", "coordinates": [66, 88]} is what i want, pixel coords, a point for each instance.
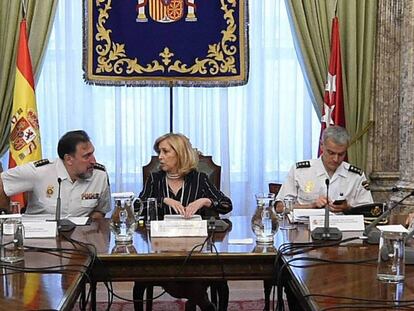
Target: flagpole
{"type": "Point", "coordinates": [24, 8]}
{"type": "Point", "coordinates": [171, 107]}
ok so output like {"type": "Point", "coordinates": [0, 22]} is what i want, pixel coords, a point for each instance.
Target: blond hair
{"type": "Point", "coordinates": [187, 157]}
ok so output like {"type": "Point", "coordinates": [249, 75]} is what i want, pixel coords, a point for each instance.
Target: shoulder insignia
{"type": "Point", "coordinates": [303, 164]}
{"type": "Point", "coordinates": [99, 167]}
{"type": "Point", "coordinates": [365, 184]}
{"type": "Point", "coordinates": [41, 162]}
{"type": "Point", "coordinates": [355, 169]}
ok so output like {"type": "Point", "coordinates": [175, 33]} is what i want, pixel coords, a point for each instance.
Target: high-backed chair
{"type": "Point", "coordinates": [219, 290]}
{"type": "Point", "coordinates": [267, 285]}
{"type": "Point", "coordinates": [205, 165]}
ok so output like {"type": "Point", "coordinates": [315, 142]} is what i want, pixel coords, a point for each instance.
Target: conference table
{"type": "Point", "coordinates": [51, 277]}
{"type": "Point", "coordinates": [322, 285]}
{"type": "Point", "coordinates": [233, 256]}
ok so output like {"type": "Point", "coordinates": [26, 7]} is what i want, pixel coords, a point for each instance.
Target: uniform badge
{"type": "Point", "coordinates": [365, 184]}
{"type": "Point", "coordinates": [376, 211]}
{"type": "Point", "coordinates": [49, 191]}
{"type": "Point", "coordinates": [309, 186]}
{"type": "Point", "coordinates": [90, 196]}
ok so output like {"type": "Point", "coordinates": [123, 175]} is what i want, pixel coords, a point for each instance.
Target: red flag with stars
{"type": "Point", "coordinates": [333, 112]}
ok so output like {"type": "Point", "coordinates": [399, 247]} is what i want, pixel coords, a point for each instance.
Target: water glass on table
{"type": "Point", "coordinates": [288, 204]}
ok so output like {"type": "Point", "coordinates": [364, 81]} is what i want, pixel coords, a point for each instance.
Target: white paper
{"type": "Point", "coordinates": [302, 214]}
{"type": "Point", "coordinates": [393, 228]}
{"type": "Point", "coordinates": [37, 217]}
{"type": "Point", "coordinates": [79, 221]}
{"type": "Point", "coordinates": [178, 228]}
{"type": "Point", "coordinates": [43, 229]}
{"type": "Point", "coordinates": [342, 222]}
{"type": "Point", "coordinates": [181, 217]}
{"type": "Point", "coordinates": [241, 241]}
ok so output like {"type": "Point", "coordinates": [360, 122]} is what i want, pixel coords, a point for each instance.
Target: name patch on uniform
{"type": "Point", "coordinates": [90, 196]}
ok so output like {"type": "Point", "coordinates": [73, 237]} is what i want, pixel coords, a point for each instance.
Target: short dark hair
{"type": "Point", "coordinates": [68, 142]}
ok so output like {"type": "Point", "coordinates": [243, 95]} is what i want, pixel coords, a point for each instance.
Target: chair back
{"type": "Point", "coordinates": [205, 165]}
{"type": "Point", "coordinates": [274, 188]}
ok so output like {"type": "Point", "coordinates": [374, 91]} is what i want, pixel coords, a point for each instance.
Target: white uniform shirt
{"type": "Point", "coordinates": [306, 182]}
{"type": "Point", "coordinates": [40, 180]}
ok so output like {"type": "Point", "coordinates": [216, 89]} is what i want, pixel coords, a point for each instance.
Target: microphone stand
{"type": "Point", "coordinates": [371, 233]}
{"type": "Point", "coordinates": [326, 232]}
{"type": "Point", "coordinates": [63, 225]}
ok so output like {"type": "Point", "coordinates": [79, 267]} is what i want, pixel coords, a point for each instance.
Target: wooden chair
{"type": "Point", "coordinates": [205, 165]}
{"type": "Point", "coordinates": [267, 285]}
{"type": "Point", "coordinates": [219, 290]}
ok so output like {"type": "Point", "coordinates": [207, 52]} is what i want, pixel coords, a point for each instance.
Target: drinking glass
{"type": "Point", "coordinates": [12, 234]}
{"type": "Point", "coordinates": [391, 256]}
{"type": "Point", "coordinates": [288, 204]}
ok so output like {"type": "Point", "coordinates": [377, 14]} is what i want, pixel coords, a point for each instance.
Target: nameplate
{"type": "Point", "coordinates": [44, 229]}
{"type": "Point", "coordinates": [178, 228]}
{"type": "Point", "coordinates": [342, 222]}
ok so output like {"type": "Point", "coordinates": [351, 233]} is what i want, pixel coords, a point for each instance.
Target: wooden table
{"type": "Point", "coordinates": [44, 290]}
{"type": "Point", "coordinates": [321, 286]}
{"type": "Point", "coordinates": [165, 260]}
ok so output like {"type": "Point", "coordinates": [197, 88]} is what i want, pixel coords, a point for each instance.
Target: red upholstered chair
{"type": "Point", "coordinates": [219, 290]}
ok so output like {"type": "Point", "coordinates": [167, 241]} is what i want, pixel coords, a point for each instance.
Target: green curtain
{"type": "Point", "coordinates": [39, 18]}
{"type": "Point", "coordinates": [311, 21]}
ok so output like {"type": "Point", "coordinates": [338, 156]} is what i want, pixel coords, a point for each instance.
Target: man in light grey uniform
{"type": "Point", "coordinates": [83, 183]}
{"type": "Point", "coordinates": [306, 181]}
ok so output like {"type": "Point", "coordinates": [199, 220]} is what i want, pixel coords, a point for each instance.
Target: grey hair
{"type": "Point", "coordinates": [336, 134]}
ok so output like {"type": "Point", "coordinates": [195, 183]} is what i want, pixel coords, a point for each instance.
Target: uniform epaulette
{"type": "Point", "coordinates": [99, 167]}
{"type": "Point", "coordinates": [303, 164]}
{"type": "Point", "coordinates": [41, 162]}
{"type": "Point", "coordinates": [355, 169]}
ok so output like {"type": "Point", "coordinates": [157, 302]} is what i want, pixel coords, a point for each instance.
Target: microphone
{"type": "Point", "coordinates": [372, 233]}
{"type": "Point", "coordinates": [63, 225]}
{"type": "Point", "coordinates": [326, 232]}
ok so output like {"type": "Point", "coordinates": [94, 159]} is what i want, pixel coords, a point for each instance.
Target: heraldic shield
{"type": "Point", "coordinates": [166, 11]}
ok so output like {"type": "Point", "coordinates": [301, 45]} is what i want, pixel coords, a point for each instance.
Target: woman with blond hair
{"type": "Point", "coordinates": [180, 189]}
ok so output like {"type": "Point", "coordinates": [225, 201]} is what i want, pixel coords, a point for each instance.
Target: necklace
{"type": "Point", "coordinates": [173, 176]}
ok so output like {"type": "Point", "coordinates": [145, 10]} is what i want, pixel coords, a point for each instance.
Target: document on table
{"type": "Point", "coordinates": [302, 214]}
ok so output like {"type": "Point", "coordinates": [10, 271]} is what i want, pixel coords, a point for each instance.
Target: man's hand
{"type": "Point", "coordinates": [409, 220]}
{"type": "Point", "coordinates": [337, 208]}
{"type": "Point", "coordinates": [320, 202]}
{"type": "Point", "coordinates": [4, 199]}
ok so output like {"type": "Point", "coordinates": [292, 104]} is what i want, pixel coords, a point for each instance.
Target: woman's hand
{"type": "Point", "coordinates": [194, 206]}
{"type": "Point", "coordinates": [176, 205]}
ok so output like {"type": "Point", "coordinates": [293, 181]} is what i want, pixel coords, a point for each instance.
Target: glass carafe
{"type": "Point", "coordinates": [265, 221]}
{"type": "Point", "coordinates": [123, 222]}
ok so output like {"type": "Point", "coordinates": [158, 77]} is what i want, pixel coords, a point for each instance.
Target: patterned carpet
{"type": "Point", "coordinates": [178, 305]}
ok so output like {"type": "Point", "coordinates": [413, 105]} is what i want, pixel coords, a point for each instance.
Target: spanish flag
{"type": "Point", "coordinates": [24, 132]}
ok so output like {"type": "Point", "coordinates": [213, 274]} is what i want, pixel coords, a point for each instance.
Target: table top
{"type": "Point", "coordinates": [46, 279]}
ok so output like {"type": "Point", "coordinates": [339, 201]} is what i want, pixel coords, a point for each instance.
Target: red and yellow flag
{"type": "Point", "coordinates": [333, 107]}
{"type": "Point", "coordinates": [24, 133]}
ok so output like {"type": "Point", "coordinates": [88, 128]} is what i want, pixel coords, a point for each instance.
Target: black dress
{"type": "Point", "coordinates": [196, 186]}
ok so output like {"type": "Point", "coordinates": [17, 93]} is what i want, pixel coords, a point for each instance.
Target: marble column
{"type": "Point", "coordinates": [406, 109]}
{"type": "Point", "coordinates": [384, 142]}
{"type": "Point", "coordinates": [392, 140]}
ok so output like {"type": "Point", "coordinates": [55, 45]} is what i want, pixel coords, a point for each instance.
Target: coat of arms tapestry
{"type": "Point", "coordinates": [166, 42]}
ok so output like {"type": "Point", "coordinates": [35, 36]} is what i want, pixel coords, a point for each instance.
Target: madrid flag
{"type": "Point", "coordinates": [24, 132]}
{"type": "Point", "coordinates": [333, 107]}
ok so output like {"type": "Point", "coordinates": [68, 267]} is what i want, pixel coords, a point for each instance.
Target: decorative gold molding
{"type": "Point", "coordinates": [220, 58]}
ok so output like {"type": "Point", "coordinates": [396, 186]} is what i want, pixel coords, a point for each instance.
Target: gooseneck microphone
{"type": "Point", "coordinates": [371, 233]}
{"type": "Point", "coordinates": [63, 225]}
{"type": "Point", "coordinates": [326, 232]}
